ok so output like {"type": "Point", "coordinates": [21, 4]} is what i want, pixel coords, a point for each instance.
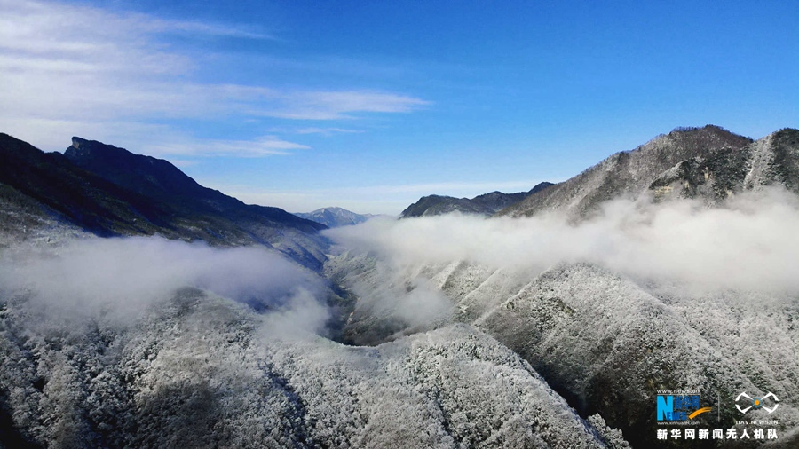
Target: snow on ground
{"type": "Point", "coordinates": [203, 371]}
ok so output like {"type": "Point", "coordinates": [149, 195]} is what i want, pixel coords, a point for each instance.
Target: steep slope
{"type": "Point", "coordinates": [334, 216]}
{"type": "Point", "coordinates": [201, 371]}
{"type": "Point", "coordinates": [81, 197]}
{"type": "Point", "coordinates": [771, 160]}
{"type": "Point", "coordinates": [111, 192]}
{"type": "Point", "coordinates": [485, 204]}
{"type": "Point", "coordinates": [630, 174]}
{"type": "Point", "coordinates": [600, 339]}
{"type": "Point", "coordinates": [162, 182]}
{"type": "Point", "coordinates": [605, 342]}
{"type": "Point", "coordinates": [23, 219]}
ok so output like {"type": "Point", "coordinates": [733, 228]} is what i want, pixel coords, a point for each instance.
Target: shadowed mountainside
{"type": "Point", "coordinates": [110, 191]}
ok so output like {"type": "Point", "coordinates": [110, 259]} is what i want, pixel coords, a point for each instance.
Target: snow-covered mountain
{"type": "Point", "coordinates": [334, 216]}
{"type": "Point", "coordinates": [192, 369]}
{"type": "Point", "coordinates": [708, 163]}
{"type": "Point", "coordinates": [685, 282]}
{"type": "Point", "coordinates": [555, 330]}
{"type": "Point", "coordinates": [606, 341]}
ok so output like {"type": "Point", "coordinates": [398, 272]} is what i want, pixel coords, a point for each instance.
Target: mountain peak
{"type": "Point", "coordinates": [334, 216]}
{"type": "Point", "coordinates": [708, 163]}
{"type": "Point", "coordinates": [85, 148]}
{"type": "Point", "coordinates": [109, 190]}
{"type": "Point", "coordinates": [485, 204]}
{"type": "Point", "coordinates": [540, 186]}
{"type": "Point", "coordinates": [137, 172]}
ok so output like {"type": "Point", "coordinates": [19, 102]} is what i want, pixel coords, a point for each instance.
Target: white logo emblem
{"type": "Point", "coordinates": [758, 402]}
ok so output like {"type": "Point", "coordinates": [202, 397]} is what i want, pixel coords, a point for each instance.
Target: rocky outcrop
{"type": "Point", "coordinates": [630, 174]}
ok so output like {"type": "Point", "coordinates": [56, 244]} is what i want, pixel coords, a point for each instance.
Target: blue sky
{"type": "Point", "coordinates": [370, 105]}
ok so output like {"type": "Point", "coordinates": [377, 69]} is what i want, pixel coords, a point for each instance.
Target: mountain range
{"type": "Point", "coordinates": [709, 163]}
{"type": "Point", "coordinates": [486, 204]}
{"type": "Point", "coordinates": [607, 341]}
{"type": "Point", "coordinates": [440, 331]}
{"type": "Point", "coordinates": [109, 191]}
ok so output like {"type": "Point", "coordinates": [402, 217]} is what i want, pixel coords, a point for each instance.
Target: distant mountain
{"type": "Point", "coordinates": [486, 204]}
{"type": "Point", "coordinates": [708, 163]}
{"type": "Point", "coordinates": [110, 191]}
{"type": "Point", "coordinates": [334, 216]}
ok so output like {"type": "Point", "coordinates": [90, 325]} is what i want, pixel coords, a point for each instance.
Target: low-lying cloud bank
{"type": "Point", "coordinates": [751, 243]}
{"type": "Point", "coordinates": [120, 278]}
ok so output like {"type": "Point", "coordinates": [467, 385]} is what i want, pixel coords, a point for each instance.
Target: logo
{"type": "Point", "coordinates": [756, 403]}
{"type": "Point", "coordinates": [679, 408]}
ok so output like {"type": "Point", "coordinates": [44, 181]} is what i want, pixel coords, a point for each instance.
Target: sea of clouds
{"type": "Point", "coordinates": [119, 279]}
{"type": "Point", "coordinates": [752, 243]}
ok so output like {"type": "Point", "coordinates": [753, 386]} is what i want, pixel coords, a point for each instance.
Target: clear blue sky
{"type": "Point", "coordinates": [369, 105]}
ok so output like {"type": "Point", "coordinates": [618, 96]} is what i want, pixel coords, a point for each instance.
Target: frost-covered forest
{"type": "Point", "coordinates": [645, 297]}
{"type": "Point", "coordinates": [139, 356]}
{"type": "Point", "coordinates": [504, 333]}
{"type": "Point", "coordinates": [556, 329]}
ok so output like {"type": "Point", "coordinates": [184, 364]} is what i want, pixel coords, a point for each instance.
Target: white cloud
{"type": "Point", "coordinates": [331, 105]}
{"type": "Point", "coordinates": [123, 277]}
{"type": "Point", "coordinates": [751, 244]}
{"type": "Point", "coordinates": [328, 131]}
{"type": "Point", "coordinates": [214, 147]}
{"type": "Point", "coordinates": [78, 64]}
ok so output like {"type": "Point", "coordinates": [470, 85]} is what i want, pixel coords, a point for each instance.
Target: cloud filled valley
{"type": "Point", "coordinates": [750, 243]}
{"type": "Point", "coordinates": [560, 326]}
{"type": "Point", "coordinates": [147, 342]}
{"type": "Point", "coordinates": [121, 278]}
{"type": "Point", "coordinates": [555, 323]}
{"type": "Point", "coordinates": [642, 297]}
{"type": "Point", "coordinates": [288, 224]}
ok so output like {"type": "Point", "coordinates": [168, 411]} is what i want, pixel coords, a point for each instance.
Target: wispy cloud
{"type": "Point", "coordinates": [214, 147]}
{"type": "Point", "coordinates": [328, 131]}
{"type": "Point", "coordinates": [327, 105]}
{"type": "Point", "coordinates": [210, 29]}
{"type": "Point", "coordinates": [63, 63]}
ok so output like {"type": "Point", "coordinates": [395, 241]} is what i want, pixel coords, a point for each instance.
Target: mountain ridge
{"type": "Point", "coordinates": [708, 163]}
{"type": "Point", "coordinates": [334, 216]}
{"type": "Point", "coordinates": [110, 191]}
{"type": "Point", "coordinates": [520, 355]}
{"type": "Point", "coordinates": [485, 204]}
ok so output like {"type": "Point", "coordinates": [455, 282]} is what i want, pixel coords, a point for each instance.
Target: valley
{"type": "Point", "coordinates": [141, 309]}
